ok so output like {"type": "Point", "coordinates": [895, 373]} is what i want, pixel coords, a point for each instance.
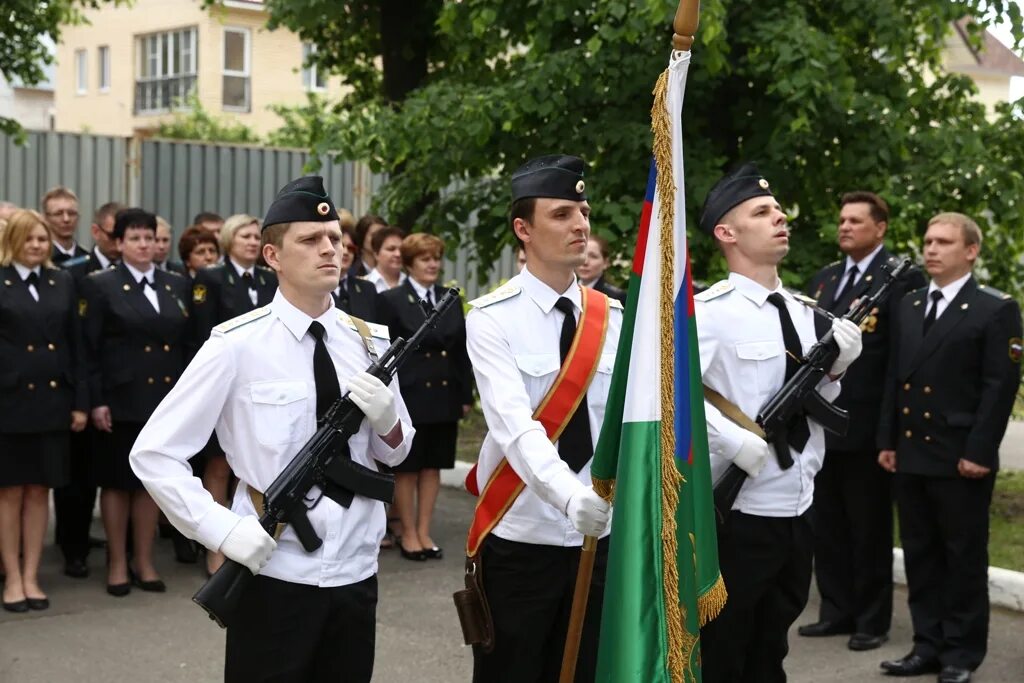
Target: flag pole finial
{"type": "Point", "coordinates": [685, 24]}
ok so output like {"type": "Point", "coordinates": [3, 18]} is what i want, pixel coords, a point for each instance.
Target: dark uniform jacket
{"type": "Point", "coordinates": [84, 264]}
{"type": "Point", "coordinates": [219, 294]}
{"type": "Point", "coordinates": [358, 298]}
{"type": "Point", "coordinates": [58, 257]}
{"type": "Point", "coordinates": [134, 354]}
{"type": "Point", "coordinates": [174, 267]}
{"type": "Point", "coordinates": [950, 392]}
{"type": "Point", "coordinates": [862, 385]}
{"type": "Point", "coordinates": [609, 289]}
{"type": "Point", "coordinates": [437, 380]}
{"type": "Point", "coordinates": [42, 373]}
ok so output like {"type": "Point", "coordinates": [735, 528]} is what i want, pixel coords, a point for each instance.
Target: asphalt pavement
{"type": "Point", "coordinates": [89, 637]}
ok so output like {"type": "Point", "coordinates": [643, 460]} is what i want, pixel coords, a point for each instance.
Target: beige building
{"type": "Point", "coordinates": [132, 65]}
{"type": "Point", "coordinates": [992, 66]}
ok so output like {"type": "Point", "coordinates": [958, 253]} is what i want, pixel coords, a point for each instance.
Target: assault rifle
{"type": "Point", "coordinates": [799, 396]}
{"type": "Point", "coordinates": [324, 462]}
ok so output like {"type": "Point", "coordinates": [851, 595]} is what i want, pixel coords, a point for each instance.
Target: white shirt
{"type": "Point", "coordinates": [252, 278]}
{"type": "Point", "coordinates": [23, 272]}
{"type": "Point", "coordinates": [949, 293]}
{"type": "Point", "coordinates": [862, 265]}
{"type": "Point", "coordinates": [150, 275]}
{"type": "Point", "coordinates": [513, 345]}
{"type": "Point", "coordinates": [378, 281]}
{"type": "Point", "coordinates": [742, 357]}
{"type": "Point", "coordinates": [67, 252]}
{"type": "Point", "coordinates": [104, 261]}
{"type": "Point", "coordinates": [421, 291]}
{"type": "Point", "coordinates": [255, 384]}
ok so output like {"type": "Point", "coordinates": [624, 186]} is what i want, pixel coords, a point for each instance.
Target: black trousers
{"type": "Point", "coordinates": [852, 524]}
{"type": "Point", "coordinates": [73, 504]}
{"type": "Point", "coordinates": [766, 565]}
{"type": "Point", "coordinates": [944, 531]}
{"type": "Point", "coordinates": [529, 589]}
{"type": "Point", "coordinates": [294, 633]}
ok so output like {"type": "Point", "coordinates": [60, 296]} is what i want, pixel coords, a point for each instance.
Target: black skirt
{"type": "Point", "coordinates": [110, 453]}
{"type": "Point", "coordinates": [433, 447]}
{"type": "Point", "coordinates": [42, 459]}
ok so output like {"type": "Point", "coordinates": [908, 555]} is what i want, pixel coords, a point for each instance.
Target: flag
{"type": "Point", "coordinates": [663, 580]}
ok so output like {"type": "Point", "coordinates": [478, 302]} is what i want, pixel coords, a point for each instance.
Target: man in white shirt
{"type": "Point", "coordinates": [752, 333]}
{"type": "Point", "coordinates": [263, 380]}
{"type": "Point", "coordinates": [517, 337]}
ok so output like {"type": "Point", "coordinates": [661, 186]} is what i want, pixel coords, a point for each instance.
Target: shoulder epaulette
{"type": "Point", "coordinates": [76, 261]}
{"type": "Point", "coordinates": [506, 291]}
{"type": "Point", "coordinates": [377, 330]}
{"type": "Point", "coordinates": [834, 264]}
{"type": "Point", "coordinates": [244, 319]}
{"type": "Point", "coordinates": [615, 303]}
{"type": "Point", "coordinates": [714, 291]}
{"type": "Point", "coordinates": [803, 298]}
{"type": "Point", "coordinates": [992, 291]}
{"type": "Point", "coordinates": [259, 267]}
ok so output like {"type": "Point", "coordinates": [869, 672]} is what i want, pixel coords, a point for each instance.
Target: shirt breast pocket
{"type": "Point", "coordinates": [279, 411]}
{"type": "Point", "coordinates": [759, 363]}
{"type": "Point", "coordinates": [538, 370]}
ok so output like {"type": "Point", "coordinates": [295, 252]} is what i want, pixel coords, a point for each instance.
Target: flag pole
{"type": "Point", "coordinates": [684, 26]}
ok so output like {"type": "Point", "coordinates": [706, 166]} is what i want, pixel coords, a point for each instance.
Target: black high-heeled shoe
{"type": "Point", "coordinates": [433, 553]}
{"type": "Point", "coordinates": [154, 586]}
{"type": "Point", "coordinates": [414, 555]}
{"type": "Point", "coordinates": [119, 590]}
{"type": "Point", "coordinates": [38, 604]}
{"type": "Point", "coordinates": [18, 606]}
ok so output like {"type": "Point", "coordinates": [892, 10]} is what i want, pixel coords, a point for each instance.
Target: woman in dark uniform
{"type": "Point", "coordinates": [436, 384]}
{"type": "Point", "coordinates": [591, 273]}
{"type": "Point", "coordinates": [43, 397]}
{"type": "Point", "coordinates": [135, 339]}
{"type": "Point", "coordinates": [198, 249]}
{"type": "Point", "coordinates": [220, 293]}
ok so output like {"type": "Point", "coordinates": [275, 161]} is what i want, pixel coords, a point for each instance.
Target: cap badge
{"type": "Point", "coordinates": [580, 186]}
{"type": "Point", "coordinates": [763, 183]}
{"type": "Point", "coordinates": [323, 208]}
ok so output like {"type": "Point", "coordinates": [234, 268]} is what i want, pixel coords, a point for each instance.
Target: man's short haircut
{"type": "Point", "coordinates": [108, 209]}
{"type": "Point", "coordinates": [274, 235]}
{"type": "Point", "coordinates": [877, 206]}
{"type": "Point", "coordinates": [521, 208]}
{"type": "Point", "coordinates": [133, 218]}
{"type": "Point", "coordinates": [968, 228]}
{"type": "Point", "coordinates": [363, 227]}
{"type": "Point", "coordinates": [420, 243]}
{"type": "Point", "coordinates": [59, 192]}
{"type": "Point", "coordinates": [193, 236]}
{"type": "Point", "coordinates": [377, 241]}
{"type": "Point", "coordinates": [207, 217]}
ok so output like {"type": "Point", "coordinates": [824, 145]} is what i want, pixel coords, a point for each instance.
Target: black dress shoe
{"type": "Point", "coordinates": [414, 555]}
{"type": "Point", "coordinates": [821, 629]}
{"type": "Point", "coordinates": [911, 665]}
{"type": "Point", "coordinates": [19, 606]}
{"type": "Point", "coordinates": [954, 674]}
{"type": "Point", "coordinates": [119, 590]}
{"type": "Point", "coordinates": [38, 603]}
{"type": "Point", "coordinates": [865, 641]}
{"type": "Point", "coordinates": [76, 569]}
{"type": "Point", "coordinates": [185, 551]}
{"type": "Point", "coordinates": [155, 586]}
{"type": "Point", "coordinates": [433, 553]}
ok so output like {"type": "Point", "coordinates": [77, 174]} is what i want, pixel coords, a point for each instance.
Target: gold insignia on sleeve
{"type": "Point", "coordinates": [198, 294]}
{"type": "Point", "coordinates": [83, 306]}
{"type": "Point", "coordinates": [1016, 349]}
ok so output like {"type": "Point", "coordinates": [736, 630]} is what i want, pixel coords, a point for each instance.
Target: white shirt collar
{"type": "Point", "coordinates": [66, 252]}
{"type": "Point", "coordinates": [104, 261]}
{"type": "Point", "coordinates": [421, 291]}
{"type": "Point", "coordinates": [374, 276]}
{"type": "Point", "coordinates": [239, 269]}
{"type": "Point", "coordinates": [755, 291]}
{"type": "Point", "coordinates": [138, 274]}
{"type": "Point", "coordinates": [298, 322]}
{"type": "Point", "coordinates": [544, 296]}
{"type": "Point", "coordinates": [863, 264]}
{"type": "Point", "coordinates": [950, 291]}
{"type": "Point", "coordinates": [23, 271]}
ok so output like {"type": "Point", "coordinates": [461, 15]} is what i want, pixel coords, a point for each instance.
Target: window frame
{"type": "Point", "coordinates": [181, 72]}
{"type": "Point", "coordinates": [246, 73]}
{"type": "Point", "coordinates": [103, 64]}
{"type": "Point", "coordinates": [81, 71]}
{"type": "Point", "coordinates": [311, 72]}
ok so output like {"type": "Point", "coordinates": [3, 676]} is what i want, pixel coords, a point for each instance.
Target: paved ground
{"type": "Point", "coordinates": [1011, 451]}
{"type": "Point", "coordinates": [88, 637]}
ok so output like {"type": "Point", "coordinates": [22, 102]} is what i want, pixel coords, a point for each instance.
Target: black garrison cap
{"type": "Point", "coordinates": [303, 199]}
{"type": "Point", "coordinates": [744, 183]}
{"type": "Point", "coordinates": [556, 176]}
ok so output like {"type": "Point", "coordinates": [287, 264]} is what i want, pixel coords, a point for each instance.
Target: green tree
{"type": "Point", "coordinates": [827, 96]}
{"type": "Point", "coordinates": [196, 123]}
{"type": "Point", "coordinates": [27, 29]}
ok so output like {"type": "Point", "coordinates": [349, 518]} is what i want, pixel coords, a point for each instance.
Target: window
{"type": "Point", "coordinates": [312, 74]}
{"type": "Point", "coordinates": [166, 70]}
{"type": "Point", "coordinates": [235, 95]}
{"type": "Point", "coordinates": [103, 58]}
{"type": "Point", "coordinates": [81, 72]}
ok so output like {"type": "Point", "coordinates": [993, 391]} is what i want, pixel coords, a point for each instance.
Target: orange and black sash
{"type": "Point", "coordinates": [554, 411]}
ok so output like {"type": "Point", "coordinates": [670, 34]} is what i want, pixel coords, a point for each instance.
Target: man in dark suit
{"type": "Point", "coordinates": [852, 495]}
{"type": "Point", "coordinates": [354, 295]}
{"type": "Point", "coordinates": [952, 381]}
{"type": "Point", "coordinates": [60, 210]}
{"type": "Point", "coordinates": [105, 252]}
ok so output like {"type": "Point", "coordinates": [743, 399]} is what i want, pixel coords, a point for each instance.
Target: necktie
{"type": "Point", "coordinates": [845, 289]}
{"type": "Point", "coordinates": [247, 279]}
{"type": "Point", "coordinates": [798, 432]}
{"type": "Point", "coordinates": [143, 283]}
{"type": "Point", "coordinates": [929, 319]}
{"type": "Point", "coordinates": [427, 303]}
{"type": "Point", "coordinates": [575, 445]}
{"type": "Point", "coordinates": [33, 281]}
{"type": "Point", "coordinates": [328, 390]}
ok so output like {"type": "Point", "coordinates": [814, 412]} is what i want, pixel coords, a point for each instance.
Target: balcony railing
{"type": "Point", "coordinates": [158, 95]}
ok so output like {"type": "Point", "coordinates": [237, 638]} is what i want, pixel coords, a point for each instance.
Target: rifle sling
{"type": "Point", "coordinates": [731, 411]}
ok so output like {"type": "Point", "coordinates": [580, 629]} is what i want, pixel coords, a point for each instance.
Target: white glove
{"type": "Point", "coordinates": [248, 544]}
{"type": "Point", "coordinates": [588, 512]}
{"type": "Point", "coordinates": [847, 336]}
{"type": "Point", "coordinates": [753, 455]}
{"type": "Point", "coordinates": [375, 400]}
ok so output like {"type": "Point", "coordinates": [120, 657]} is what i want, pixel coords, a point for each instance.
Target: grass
{"type": "Point", "coordinates": [472, 429]}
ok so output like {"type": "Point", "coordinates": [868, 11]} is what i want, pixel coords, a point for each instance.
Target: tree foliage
{"type": "Point", "coordinates": [827, 96]}
{"type": "Point", "coordinates": [196, 123]}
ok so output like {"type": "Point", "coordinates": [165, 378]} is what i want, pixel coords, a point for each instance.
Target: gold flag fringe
{"type": "Point", "coordinates": [712, 602]}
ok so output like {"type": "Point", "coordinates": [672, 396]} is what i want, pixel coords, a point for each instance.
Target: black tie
{"type": "Point", "coordinates": [845, 289]}
{"type": "Point", "coordinates": [427, 303]}
{"type": "Point", "coordinates": [247, 278]}
{"type": "Point", "coordinates": [143, 283]}
{"type": "Point", "coordinates": [328, 390]}
{"type": "Point", "coordinates": [32, 279]}
{"type": "Point", "coordinates": [575, 445]}
{"type": "Point", "coordinates": [798, 431]}
{"type": "Point", "coordinates": [929, 319]}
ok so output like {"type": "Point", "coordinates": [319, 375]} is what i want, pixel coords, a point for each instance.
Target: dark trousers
{"type": "Point", "coordinates": [852, 524]}
{"type": "Point", "coordinates": [294, 633]}
{"type": "Point", "coordinates": [766, 566]}
{"type": "Point", "coordinates": [944, 531]}
{"type": "Point", "coordinates": [529, 589]}
{"type": "Point", "coordinates": [73, 504]}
